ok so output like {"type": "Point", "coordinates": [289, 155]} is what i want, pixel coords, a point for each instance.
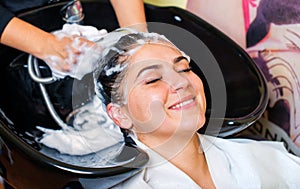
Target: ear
{"type": "Point", "coordinates": [119, 116]}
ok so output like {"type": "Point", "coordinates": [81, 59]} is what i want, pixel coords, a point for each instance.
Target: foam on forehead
{"type": "Point", "coordinates": [111, 40]}
{"type": "Point", "coordinates": [126, 42]}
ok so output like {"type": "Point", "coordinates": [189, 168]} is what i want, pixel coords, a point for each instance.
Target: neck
{"type": "Point", "coordinates": [187, 155]}
{"type": "Point", "coordinates": [174, 148]}
{"type": "Point", "coordinates": [193, 155]}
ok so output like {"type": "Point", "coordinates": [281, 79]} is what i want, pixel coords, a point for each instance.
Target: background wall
{"type": "Point", "coordinates": [273, 41]}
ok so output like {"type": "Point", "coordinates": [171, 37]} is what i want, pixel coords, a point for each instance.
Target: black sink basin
{"type": "Point", "coordinates": [23, 108]}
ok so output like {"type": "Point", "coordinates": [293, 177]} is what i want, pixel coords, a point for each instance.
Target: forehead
{"type": "Point", "coordinates": [155, 51]}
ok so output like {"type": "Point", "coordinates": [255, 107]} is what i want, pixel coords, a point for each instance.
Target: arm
{"type": "Point", "coordinates": [28, 38]}
{"type": "Point", "coordinates": [130, 13]}
{"type": "Point", "coordinates": [25, 37]}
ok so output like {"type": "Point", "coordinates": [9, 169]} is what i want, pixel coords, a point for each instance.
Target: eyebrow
{"type": "Point", "coordinates": [179, 58]}
{"type": "Point", "coordinates": [175, 60]}
{"type": "Point", "coordinates": [148, 68]}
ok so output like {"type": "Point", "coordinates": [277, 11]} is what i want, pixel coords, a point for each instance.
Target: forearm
{"type": "Point", "coordinates": [26, 37]}
{"type": "Point", "coordinates": [46, 46]}
{"type": "Point", "coordinates": [130, 13]}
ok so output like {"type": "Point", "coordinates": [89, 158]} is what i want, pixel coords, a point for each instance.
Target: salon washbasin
{"type": "Point", "coordinates": [240, 100]}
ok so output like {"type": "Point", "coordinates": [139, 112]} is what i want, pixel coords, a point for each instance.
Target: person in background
{"type": "Point", "coordinates": [26, 37]}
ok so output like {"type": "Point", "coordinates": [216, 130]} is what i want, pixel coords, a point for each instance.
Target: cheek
{"type": "Point", "coordinates": [147, 108]}
{"type": "Point", "coordinates": [197, 84]}
{"type": "Point", "coordinates": [137, 102]}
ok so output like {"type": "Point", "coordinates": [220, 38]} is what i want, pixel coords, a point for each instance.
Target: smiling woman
{"type": "Point", "coordinates": [153, 95]}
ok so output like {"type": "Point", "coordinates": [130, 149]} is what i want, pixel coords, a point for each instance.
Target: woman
{"type": "Point", "coordinates": [152, 94]}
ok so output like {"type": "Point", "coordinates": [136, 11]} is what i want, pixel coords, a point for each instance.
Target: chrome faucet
{"type": "Point", "coordinates": [72, 12]}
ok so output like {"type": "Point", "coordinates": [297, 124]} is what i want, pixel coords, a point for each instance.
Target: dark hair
{"type": "Point", "coordinates": [272, 11]}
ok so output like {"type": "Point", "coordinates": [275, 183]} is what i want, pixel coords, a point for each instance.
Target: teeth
{"type": "Point", "coordinates": [182, 104]}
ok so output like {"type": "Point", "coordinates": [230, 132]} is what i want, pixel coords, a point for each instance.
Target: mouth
{"type": "Point", "coordinates": [185, 103]}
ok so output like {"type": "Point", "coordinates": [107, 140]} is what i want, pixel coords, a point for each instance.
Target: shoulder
{"type": "Point", "coordinates": [261, 154]}
{"type": "Point", "coordinates": [268, 161]}
{"type": "Point", "coordinates": [245, 143]}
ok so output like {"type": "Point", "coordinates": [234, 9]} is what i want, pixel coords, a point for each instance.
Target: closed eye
{"type": "Point", "coordinates": [185, 70]}
{"type": "Point", "coordinates": [153, 81]}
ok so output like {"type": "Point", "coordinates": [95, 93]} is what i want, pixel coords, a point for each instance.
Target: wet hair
{"type": "Point", "coordinates": [278, 12]}
{"type": "Point", "coordinates": [113, 63]}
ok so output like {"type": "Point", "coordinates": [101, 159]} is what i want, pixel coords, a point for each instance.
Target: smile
{"type": "Point", "coordinates": [182, 104]}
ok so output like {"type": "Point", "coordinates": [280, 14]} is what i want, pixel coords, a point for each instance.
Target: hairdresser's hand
{"type": "Point", "coordinates": [70, 51]}
{"type": "Point", "coordinates": [61, 52]}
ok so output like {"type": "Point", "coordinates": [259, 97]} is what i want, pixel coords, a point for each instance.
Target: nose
{"type": "Point", "coordinates": [177, 82]}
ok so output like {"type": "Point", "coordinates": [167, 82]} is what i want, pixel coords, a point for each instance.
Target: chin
{"type": "Point", "coordinates": [201, 121]}
{"type": "Point", "coordinates": [193, 125]}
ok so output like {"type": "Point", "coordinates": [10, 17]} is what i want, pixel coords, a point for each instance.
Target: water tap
{"type": "Point", "coordinates": [72, 12]}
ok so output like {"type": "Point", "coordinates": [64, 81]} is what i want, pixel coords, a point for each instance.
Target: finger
{"type": "Point", "coordinates": [57, 63]}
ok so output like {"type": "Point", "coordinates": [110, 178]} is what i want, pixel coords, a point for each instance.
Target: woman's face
{"type": "Point", "coordinates": [163, 97]}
